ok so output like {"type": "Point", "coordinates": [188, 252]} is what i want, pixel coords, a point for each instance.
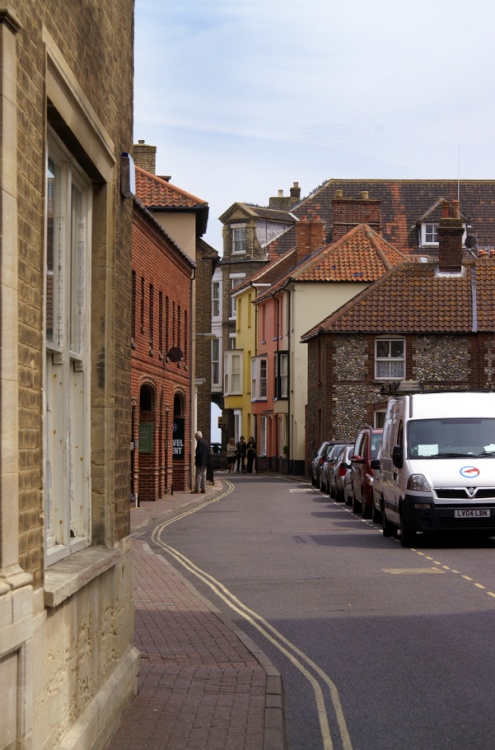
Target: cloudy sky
{"type": "Point", "coordinates": [244, 97]}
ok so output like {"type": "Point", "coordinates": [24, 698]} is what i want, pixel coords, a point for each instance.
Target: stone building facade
{"type": "Point", "coordinates": [67, 661]}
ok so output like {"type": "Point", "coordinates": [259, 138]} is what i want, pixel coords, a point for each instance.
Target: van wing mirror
{"type": "Point", "coordinates": [397, 456]}
{"type": "Point", "coordinates": [375, 463]}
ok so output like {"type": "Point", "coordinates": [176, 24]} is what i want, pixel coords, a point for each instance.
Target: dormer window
{"type": "Point", "coordinates": [239, 239]}
{"type": "Point", "coordinates": [429, 233]}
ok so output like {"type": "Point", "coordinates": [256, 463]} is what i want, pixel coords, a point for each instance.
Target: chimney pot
{"type": "Point", "coordinates": [456, 210]}
{"type": "Point", "coordinates": [280, 193]}
{"type": "Point", "coordinates": [445, 210]}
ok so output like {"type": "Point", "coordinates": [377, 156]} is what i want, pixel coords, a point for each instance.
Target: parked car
{"type": "Point", "coordinates": [365, 449]}
{"type": "Point", "coordinates": [216, 457]}
{"type": "Point", "coordinates": [377, 486]}
{"type": "Point", "coordinates": [341, 471]}
{"type": "Point", "coordinates": [348, 484]}
{"type": "Point", "coordinates": [317, 462]}
{"type": "Point", "coordinates": [327, 466]}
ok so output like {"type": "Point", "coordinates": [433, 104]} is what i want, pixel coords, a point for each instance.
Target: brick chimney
{"type": "Point", "coordinates": [310, 235]}
{"type": "Point", "coordinates": [145, 156]}
{"type": "Point", "coordinates": [349, 212]}
{"type": "Point", "coordinates": [450, 231]}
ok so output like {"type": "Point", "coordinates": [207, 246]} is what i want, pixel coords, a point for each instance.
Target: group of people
{"type": "Point", "coordinates": [241, 455]}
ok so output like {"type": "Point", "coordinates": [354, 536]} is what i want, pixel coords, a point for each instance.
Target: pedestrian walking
{"type": "Point", "coordinates": [201, 462]}
{"type": "Point", "coordinates": [250, 454]}
{"type": "Point", "coordinates": [241, 455]}
{"type": "Point", "coordinates": [231, 455]}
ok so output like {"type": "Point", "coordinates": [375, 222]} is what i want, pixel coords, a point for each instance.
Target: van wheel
{"type": "Point", "coordinates": [407, 535]}
{"type": "Point", "coordinates": [387, 527]}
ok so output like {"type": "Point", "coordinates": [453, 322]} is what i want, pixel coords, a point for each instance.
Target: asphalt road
{"type": "Point", "coordinates": [380, 647]}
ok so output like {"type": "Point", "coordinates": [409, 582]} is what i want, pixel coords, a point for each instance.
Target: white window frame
{"type": "Point", "coordinates": [263, 436]}
{"type": "Point", "coordinates": [429, 233]}
{"type": "Point", "coordinates": [67, 440]}
{"type": "Point", "coordinates": [259, 378]}
{"type": "Point", "coordinates": [216, 307]}
{"type": "Point", "coordinates": [232, 373]}
{"type": "Point", "coordinates": [234, 280]}
{"type": "Point", "coordinates": [215, 361]}
{"type": "Point", "coordinates": [239, 239]}
{"type": "Point", "coordinates": [393, 362]}
{"type": "Point", "coordinates": [282, 375]}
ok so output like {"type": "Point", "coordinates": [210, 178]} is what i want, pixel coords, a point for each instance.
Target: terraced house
{"type": "Point", "coordinates": [171, 336]}
{"type": "Point", "coordinates": [422, 326]}
{"type": "Point", "coordinates": [67, 662]}
{"type": "Point", "coordinates": [405, 214]}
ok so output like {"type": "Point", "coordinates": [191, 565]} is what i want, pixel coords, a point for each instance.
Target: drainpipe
{"type": "Point", "coordinates": [289, 431]}
{"type": "Point", "coordinates": [192, 374]}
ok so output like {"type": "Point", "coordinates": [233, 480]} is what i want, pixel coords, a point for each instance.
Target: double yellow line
{"type": "Point", "coordinates": [311, 671]}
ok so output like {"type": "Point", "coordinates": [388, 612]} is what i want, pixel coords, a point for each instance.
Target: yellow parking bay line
{"type": "Point", "coordinates": [412, 571]}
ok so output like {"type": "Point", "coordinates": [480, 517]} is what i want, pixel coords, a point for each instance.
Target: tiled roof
{"type": "Point", "coordinates": [414, 298]}
{"type": "Point", "coordinates": [159, 195]}
{"type": "Point", "coordinates": [272, 214]}
{"type": "Point", "coordinates": [361, 255]}
{"type": "Point", "coordinates": [276, 215]}
{"type": "Point", "coordinates": [403, 203]}
{"type": "Point", "coordinates": [272, 272]}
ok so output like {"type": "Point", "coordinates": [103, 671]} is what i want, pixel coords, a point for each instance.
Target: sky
{"type": "Point", "coordinates": [242, 98]}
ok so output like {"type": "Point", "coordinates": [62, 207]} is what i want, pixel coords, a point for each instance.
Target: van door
{"type": "Point", "coordinates": [396, 474]}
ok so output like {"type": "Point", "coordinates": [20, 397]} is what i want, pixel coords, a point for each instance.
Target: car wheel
{"type": "Point", "coordinates": [356, 505]}
{"type": "Point", "coordinates": [365, 509]}
{"type": "Point", "coordinates": [407, 535]}
{"type": "Point", "coordinates": [376, 516]}
{"type": "Point", "coordinates": [387, 527]}
{"type": "Point", "coordinates": [339, 495]}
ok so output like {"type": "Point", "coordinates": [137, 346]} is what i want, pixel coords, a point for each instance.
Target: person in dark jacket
{"type": "Point", "coordinates": [251, 454]}
{"type": "Point", "coordinates": [241, 456]}
{"type": "Point", "coordinates": [201, 462]}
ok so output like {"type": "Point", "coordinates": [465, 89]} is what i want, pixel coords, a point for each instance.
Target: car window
{"type": "Point", "coordinates": [375, 444]}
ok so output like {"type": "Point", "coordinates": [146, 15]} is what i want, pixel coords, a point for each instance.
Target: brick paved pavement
{"type": "Point", "coordinates": [204, 685]}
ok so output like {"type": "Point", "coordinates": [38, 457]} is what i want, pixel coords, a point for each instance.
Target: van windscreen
{"type": "Point", "coordinates": [451, 437]}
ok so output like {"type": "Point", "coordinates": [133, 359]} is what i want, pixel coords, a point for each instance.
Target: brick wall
{"type": "Point", "coordinates": [159, 268]}
{"type": "Point", "coordinates": [348, 212]}
{"type": "Point", "coordinates": [207, 258]}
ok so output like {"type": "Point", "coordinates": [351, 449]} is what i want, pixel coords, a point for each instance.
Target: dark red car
{"type": "Point", "coordinates": [365, 449]}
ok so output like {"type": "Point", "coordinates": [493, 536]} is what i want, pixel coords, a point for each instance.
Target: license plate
{"type": "Point", "coordinates": [472, 513]}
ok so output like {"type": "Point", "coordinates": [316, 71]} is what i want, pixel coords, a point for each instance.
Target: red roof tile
{"type": "Point", "coordinates": [153, 191]}
{"type": "Point", "coordinates": [361, 255]}
{"type": "Point", "coordinates": [415, 298]}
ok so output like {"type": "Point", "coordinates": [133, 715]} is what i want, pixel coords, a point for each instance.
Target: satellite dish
{"type": "Point", "coordinates": [175, 354]}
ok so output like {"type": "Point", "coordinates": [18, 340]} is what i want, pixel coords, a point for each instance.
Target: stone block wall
{"type": "Point", "coordinates": [65, 70]}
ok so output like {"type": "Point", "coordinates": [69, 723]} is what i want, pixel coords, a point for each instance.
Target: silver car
{"type": "Point", "coordinates": [340, 473]}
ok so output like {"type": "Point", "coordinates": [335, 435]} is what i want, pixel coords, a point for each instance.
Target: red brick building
{"type": "Point", "coordinates": [162, 278]}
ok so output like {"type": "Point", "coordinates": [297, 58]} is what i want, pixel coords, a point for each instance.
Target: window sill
{"type": "Point", "coordinates": [66, 577]}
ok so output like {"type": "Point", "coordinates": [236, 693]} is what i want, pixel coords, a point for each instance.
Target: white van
{"type": "Point", "coordinates": [438, 464]}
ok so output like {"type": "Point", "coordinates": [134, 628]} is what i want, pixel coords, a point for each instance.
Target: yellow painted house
{"type": "Point", "coordinates": [237, 362]}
